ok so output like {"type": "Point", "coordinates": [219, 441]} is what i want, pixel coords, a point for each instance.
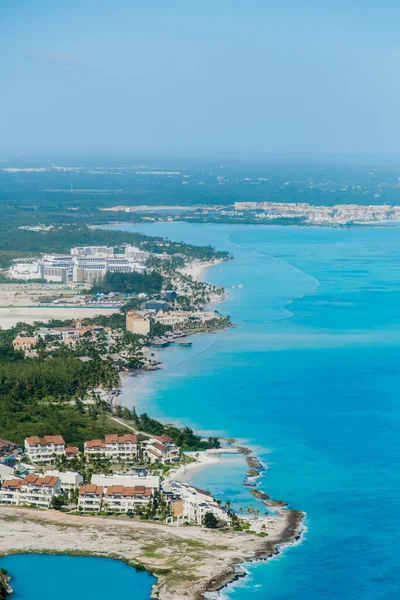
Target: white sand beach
{"type": "Point", "coordinates": [203, 459]}
{"type": "Point", "coordinates": [198, 269]}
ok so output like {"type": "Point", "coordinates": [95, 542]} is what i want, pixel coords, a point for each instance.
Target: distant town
{"type": "Point", "coordinates": [270, 212]}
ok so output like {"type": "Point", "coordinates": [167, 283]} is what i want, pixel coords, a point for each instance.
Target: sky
{"type": "Point", "coordinates": [187, 77]}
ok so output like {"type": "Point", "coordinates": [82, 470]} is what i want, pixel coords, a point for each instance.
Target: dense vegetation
{"type": "Point", "coordinates": [42, 397]}
{"type": "Point", "coordinates": [16, 243]}
{"type": "Point", "coordinates": [184, 438]}
{"type": "Point", "coordinates": [130, 283]}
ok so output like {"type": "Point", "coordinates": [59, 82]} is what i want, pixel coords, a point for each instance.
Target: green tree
{"type": "Point", "coordinates": [210, 521]}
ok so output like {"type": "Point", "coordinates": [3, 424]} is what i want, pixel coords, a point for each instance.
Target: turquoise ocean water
{"type": "Point", "coordinates": [310, 377]}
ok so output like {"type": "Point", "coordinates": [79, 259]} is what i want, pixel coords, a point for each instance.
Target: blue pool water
{"type": "Point", "coordinates": [46, 577]}
{"type": "Point", "coordinates": [311, 378]}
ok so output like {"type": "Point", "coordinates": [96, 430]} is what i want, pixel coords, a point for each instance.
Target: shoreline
{"type": "Point", "coordinates": [210, 569]}
{"type": "Point", "coordinates": [208, 559]}
{"type": "Point", "coordinates": [252, 482]}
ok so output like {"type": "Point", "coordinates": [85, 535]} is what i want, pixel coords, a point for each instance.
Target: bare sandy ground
{"type": "Point", "coordinates": [29, 314]}
{"type": "Point", "coordinates": [21, 302]}
{"type": "Point", "coordinates": [187, 561]}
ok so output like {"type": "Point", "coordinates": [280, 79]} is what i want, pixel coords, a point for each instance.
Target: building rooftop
{"type": "Point", "coordinates": [95, 444]}
{"type": "Point", "coordinates": [132, 314]}
{"type": "Point", "coordinates": [37, 480]}
{"type": "Point", "coordinates": [5, 445]}
{"type": "Point", "coordinates": [120, 490]}
{"type": "Point", "coordinates": [90, 488]}
{"type": "Point", "coordinates": [44, 441]}
{"type": "Point", "coordinates": [127, 437]}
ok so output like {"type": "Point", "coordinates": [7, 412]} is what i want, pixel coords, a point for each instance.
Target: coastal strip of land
{"type": "Point", "coordinates": [187, 561]}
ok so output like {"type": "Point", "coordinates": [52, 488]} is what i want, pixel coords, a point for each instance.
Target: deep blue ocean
{"type": "Point", "coordinates": [310, 377]}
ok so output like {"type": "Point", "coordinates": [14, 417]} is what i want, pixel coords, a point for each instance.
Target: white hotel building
{"type": "Point", "coordinates": [91, 263]}
{"type": "Point", "coordinates": [85, 264]}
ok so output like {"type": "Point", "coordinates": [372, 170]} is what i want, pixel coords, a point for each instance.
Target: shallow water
{"type": "Point", "coordinates": [310, 377]}
{"type": "Point", "coordinates": [46, 577]}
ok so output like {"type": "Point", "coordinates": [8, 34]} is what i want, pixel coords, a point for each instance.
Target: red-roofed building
{"type": "Point", "coordinates": [33, 490]}
{"type": "Point", "coordinates": [161, 449]}
{"type": "Point", "coordinates": [95, 448]}
{"type": "Point", "coordinates": [119, 498]}
{"type": "Point", "coordinates": [90, 498]}
{"type": "Point", "coordinates": [44, 450]}
{"type": "Point", "coordinates": [71, 452]}
{"type": "Point", "coordinates": [121, 447]}
{"type": "Point", "coordinates": [115, 447]}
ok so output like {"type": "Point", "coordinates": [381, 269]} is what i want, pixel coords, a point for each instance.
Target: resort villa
{"type": "Point", "coordinates": [72, 333]}
{"type": "Point", "coordinates": [25, 343]}
{"type": "Point", "coordinates": [44, 450]}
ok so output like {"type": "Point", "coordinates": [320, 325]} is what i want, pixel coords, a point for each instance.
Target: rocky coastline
{"type": "Point", "coordinates": [186, 561]}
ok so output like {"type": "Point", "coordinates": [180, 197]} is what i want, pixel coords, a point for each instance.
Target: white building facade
{"type": "Point", "coordinates": [44, 450]}
{"type": "Point", "coordinates": [33, 490]}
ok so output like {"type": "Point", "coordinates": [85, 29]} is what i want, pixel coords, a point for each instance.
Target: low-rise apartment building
{"type": "Point", "coordinates": [122, 499]}
{"type": "Point", "coordinates": [44, 450]}
{"type": "Point", "coordinates": [95, 448]}
{"type": "Point", "coordinates": [161, 449]}
{"type": "Point", "coordinates": [192, 504]}
{"type": "Point", "coordinates": [90, 498]}
{"type": "Point", "coordinates": [115, 447]}
{"type": "Point", "coordinates": [33, 490]}
{"type": "Point", "coordinates": [121, 447]}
